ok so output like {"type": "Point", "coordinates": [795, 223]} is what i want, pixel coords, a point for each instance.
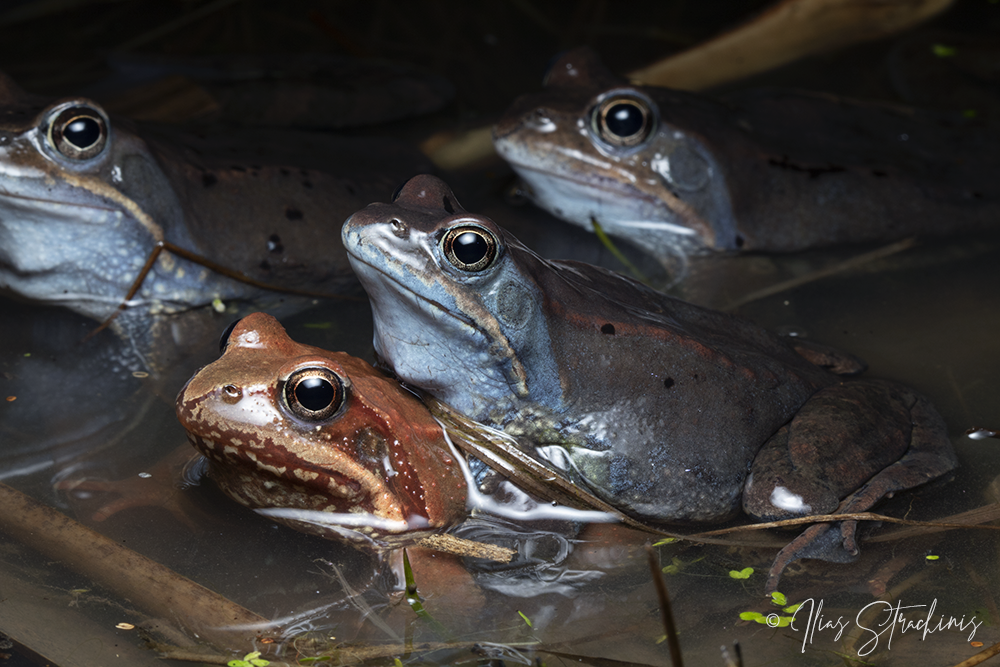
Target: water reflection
{"type": "Point", "coordinates": [926, 319]}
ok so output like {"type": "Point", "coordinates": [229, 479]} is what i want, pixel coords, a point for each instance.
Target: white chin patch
{"type": "Point", "coordinates": [784, 499]}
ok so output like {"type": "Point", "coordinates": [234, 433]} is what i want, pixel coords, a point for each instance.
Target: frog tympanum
{"type": "Point", "coordinates": [678, 173]}
{"type": "Point", "coordinates": [84, 199]}
{"type": "Point", "coordinates": [670, 412]}
{"type": "Point", "coordinates": [286, 425]}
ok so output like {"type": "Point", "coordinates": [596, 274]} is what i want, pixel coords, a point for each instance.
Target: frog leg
{"type": "Point", "coordinates": [836, 361]}
{"type": "Point", "coordinates": [848, 447]}
{"type": "Point", "coordinates": [163, 486]}
{"type": "Point", "coordinates": [930, 456]}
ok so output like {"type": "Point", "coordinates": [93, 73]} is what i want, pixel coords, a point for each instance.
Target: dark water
{"type": "Point", "coordinates": [928, 317]}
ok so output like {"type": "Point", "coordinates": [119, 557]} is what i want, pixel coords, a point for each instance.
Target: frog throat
{"type": "Point", "coordinates": [480, 320]}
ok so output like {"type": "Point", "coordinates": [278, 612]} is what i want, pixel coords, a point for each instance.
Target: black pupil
{"type": "Point", "coordinates": [624, 120]}
{"type": "Point", "coordinates": [82, 132]}
{"type": "Point", "coordinates": [315, 393]}
{"type": "Point", "coordinates": [470, 247]}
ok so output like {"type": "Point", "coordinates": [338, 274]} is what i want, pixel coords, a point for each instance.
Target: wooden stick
{"type": "Point", "coordinates": [790, 30]}
{"type": "Point", "coordinates": [666, 611]}
{"type": "Point", "coordinates": [157, 590]}
{"type": "Point", "coordinates": [166, 246]}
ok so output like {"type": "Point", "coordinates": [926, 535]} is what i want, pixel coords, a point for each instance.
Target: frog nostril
{"type": "Point", "coordinates": [540, 120]}
{"type": "Point", "coordinates": [231, 393]}
{"type": "Point", "coordinates": [399, 228]}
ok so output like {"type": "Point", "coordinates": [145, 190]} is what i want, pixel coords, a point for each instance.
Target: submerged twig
{"type": "Point", "coordinates": [666, 612]}
{"type": "Point", "coordinates": [239, 276]}
{"type": "Point", "coordinates": [358, 602]}
{"type": "Point", "coordinates": [831, 518]}
{"type": "Point", "coordinates": [417, 603]}
{"type": "Point", "coordinates": [969, 519]}
{"type": "Point", "coordinates": [839, 267]}
{"type": "Point", "coordinates": [159, 591]}
{"type": "Point", "coordinates": [462, 547]}
{"type": "Point", "coordinates": [734, 659]}
{"type": "Point", "coordinates": [171, 652]}
{"type": "Point", "coordinates": [606, 241]}
{"type": "Point", "coordinates": [982, 656]}
{"type": "Point", "coordinates": [591, 660]}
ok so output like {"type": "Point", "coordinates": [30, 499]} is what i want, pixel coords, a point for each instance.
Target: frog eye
{"type": "Point", "coordinates": [470, 248]}
{"type": "Point", "coordinates": [79, 132]}
{"type": "Point", "coordinates": [623, 121]}
{"type": "Point", "coordinates": [224, 339]}
{"type": "Point", "coordinates": [314, 394]}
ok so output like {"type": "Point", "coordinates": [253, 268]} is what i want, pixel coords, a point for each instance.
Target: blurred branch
{"type": "Point", "coordinates": [791, 30]}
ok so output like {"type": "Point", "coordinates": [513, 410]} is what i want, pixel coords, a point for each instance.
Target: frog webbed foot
{"type": "Point", "coordinates": [859, 441]}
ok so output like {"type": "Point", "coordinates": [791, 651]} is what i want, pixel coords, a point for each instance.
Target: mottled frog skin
{"type": "Point", "coordinates": [286, 425]}
{"type": "Point", "coordinates": [679, 173]}
{"type": "Point", "coordinates": [671, 412]}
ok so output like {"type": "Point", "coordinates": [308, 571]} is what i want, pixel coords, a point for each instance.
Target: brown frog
{"type": "Point", "coordinates": [286, 425]}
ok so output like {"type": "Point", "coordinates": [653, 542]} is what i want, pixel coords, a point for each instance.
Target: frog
{"type": "Point", "coordinates": [86, 198]}
{"type": "Point", "coordinates": [668, 411]}
{"type": "Point", "coordinates": [385, 470]}
{"type": "Point", "coordinates": [288, 425]}
{"type": "Point", "coordinates": [682, 174]}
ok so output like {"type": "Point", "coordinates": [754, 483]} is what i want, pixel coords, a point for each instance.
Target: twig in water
{"type": "Point", "coordinates": [665, 611]}
{"type": "Point", "coordinates": [839, 267]}
{"type": "Point", "coordinates": [982, 656]}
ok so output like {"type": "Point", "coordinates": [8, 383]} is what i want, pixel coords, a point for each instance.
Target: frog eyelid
{"type": "Point", "coordinates": [476, 255]}
{"type": "Point", "coordinates": [622, 119]}
{"type": "Point", "coordinates": [77, 130]}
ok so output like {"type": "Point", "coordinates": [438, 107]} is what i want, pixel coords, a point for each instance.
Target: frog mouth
{"type": "Point", "coordinates": [357, 527]}
{"type": "Point", "coordinates": [272, 489]}
{"type": "Point", "coordinates": [569, 187]}
{"type": "Point", "coordinates": [617, 189]}
{"type": "Point", "coordinates": [56, 204]}
{"type": "Point", "coordinates": [400, 287]}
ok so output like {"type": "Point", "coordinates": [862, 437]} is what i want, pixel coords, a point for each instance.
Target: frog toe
{"type": "Point", "coordinates": [848, 533]}
{"type": "Point", "coordinates": [821, 542]}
